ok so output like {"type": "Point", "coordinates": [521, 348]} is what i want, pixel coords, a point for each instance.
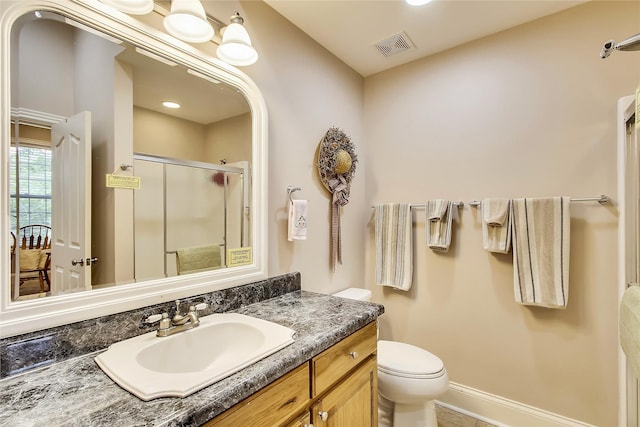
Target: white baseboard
{"type": "Point", "coordinates": [500, 411]}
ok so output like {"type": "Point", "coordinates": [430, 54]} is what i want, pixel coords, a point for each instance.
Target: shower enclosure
{"type": "Point", "coordinates": [629, 240]}
{"type": "Point", "coordinates": [185, 204]}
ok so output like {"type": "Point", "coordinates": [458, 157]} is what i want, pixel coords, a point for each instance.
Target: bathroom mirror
{"type": "Point", "coordinates": [109, 72]}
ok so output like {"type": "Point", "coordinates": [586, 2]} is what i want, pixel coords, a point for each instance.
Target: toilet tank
{"type": "Point", "coordinates": [355, 293]}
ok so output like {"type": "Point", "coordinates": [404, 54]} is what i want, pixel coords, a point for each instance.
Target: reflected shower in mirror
{"type": "Point", "coordinates": [125, 183]}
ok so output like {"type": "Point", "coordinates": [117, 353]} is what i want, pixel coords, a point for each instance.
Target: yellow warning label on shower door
{"type": "Point", "coordinates": [120, 181]}
{"type": "Point", "coordinates": [239, 256]}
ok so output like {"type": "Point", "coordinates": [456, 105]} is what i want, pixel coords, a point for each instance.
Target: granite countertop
{"type": "Point", "coordinates": [77, 393]}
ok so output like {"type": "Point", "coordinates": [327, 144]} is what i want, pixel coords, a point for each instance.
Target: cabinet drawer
{"type": "Point", "coordinates": [333, 363]}
{"type": "Point", "coordinates": [272, 405]}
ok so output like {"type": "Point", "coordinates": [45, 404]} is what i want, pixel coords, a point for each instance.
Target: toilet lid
{"type": "Point", "coordinates": [406, 360]}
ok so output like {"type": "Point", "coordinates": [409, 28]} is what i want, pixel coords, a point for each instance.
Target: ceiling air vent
{"type": "Point", "coordinates": [395, 44]}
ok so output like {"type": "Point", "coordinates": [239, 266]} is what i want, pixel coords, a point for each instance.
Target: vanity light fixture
{"type": "Point", "coordinates": [188, 22]}
{"type": "Point", "coordinates": [171, 104]}
{"type": "Point", "coordinates": [132, 7]}
{"type": "Point", "coordinates": [236, 48]}
{"type": "Point", "coordinates": [417, 2]}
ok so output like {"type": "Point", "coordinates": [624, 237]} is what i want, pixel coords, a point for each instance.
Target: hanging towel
{"type": "Point", "coordinates": [496, 225]}
{"type": "Point", "coordinates": [630, 326]}
{"type": "Point", "coordinates": [541, 251]}
{"type": "Point", "coordinates": [198, 258]}
{"type": "Point", "coordinates": [439, 221]}
{"type": "Point", "coordinates": [394, 246]}
{"type": "Point", "coordinates": [298, 223]}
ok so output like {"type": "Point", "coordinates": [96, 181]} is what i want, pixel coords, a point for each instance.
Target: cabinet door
{"type": "Point", "coordinates": [270, 406]}
{"type": "Point", "coordinates": [352, 402]}
{"type": "Point", "coordinates": [303, 420]}
{"type": "Point", "coordinates": [335, 362]}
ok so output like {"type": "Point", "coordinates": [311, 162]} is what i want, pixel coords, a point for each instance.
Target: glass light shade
{"type": "Point", "coordinates": [188, 22]}
{"type": "Point", "coordinates": [417, 2]}
{"type": "Point", "coordinates": [236, 48]}
{"type": "Point", "coordinates": [132, 7]}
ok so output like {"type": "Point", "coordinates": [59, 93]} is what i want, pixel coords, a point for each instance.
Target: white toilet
{"type": "Point", "coordinates": [409, 379]}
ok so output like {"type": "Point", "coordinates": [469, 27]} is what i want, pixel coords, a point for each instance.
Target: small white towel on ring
{"type": "Point", "coordinates": [630, 326]}
{"type": "Point", "coordinates": [496, 225]}
{"type": "Point", "coordinates": [541, 230]}
{"type": "Point", "coordinates": [438, 224]}
{"type": "Point", "coordinates": [298, 221]}
{"type": "Point", "coordinates": [394, 245]}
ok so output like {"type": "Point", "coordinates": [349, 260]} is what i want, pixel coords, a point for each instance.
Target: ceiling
{"type": "Point", "coordinates": [350, 29]}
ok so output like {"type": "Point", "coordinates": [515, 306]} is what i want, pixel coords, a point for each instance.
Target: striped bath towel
{"type": "Point", "coordinates": [496, 225]}
{"type": "Point", "coordinates": [439, 224]}
{"type": "Point", "coordinates": [394, 246]}
{"type": "Point", "coordinates": [541, 251]}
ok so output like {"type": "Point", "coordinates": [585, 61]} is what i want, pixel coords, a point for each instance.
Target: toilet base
{"type": "Point", "coordinates": [422, 414]}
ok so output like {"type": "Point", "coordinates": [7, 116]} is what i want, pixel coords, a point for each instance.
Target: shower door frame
{"type": "Point", "coordinates": [628, 383]}
{"type": "Point", "coordinates": [242, 171]}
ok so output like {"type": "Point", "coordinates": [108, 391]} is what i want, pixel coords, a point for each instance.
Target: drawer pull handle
{"type": "Point", "coordinates": [324, 415]}
{"type": "Point", "coordinates": [353, 354]}
{"type": "Point", "coordinates": [289, 402]}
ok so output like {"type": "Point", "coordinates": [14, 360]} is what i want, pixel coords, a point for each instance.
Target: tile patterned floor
{"type": "Point", "coordinates": [449, 418]}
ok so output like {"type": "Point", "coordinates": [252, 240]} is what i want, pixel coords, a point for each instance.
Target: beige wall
{"type": "Point", "coordinates": [307, 90]}
{"type": "Point", "coordinates": [168, 136]}
{"type": "Point", "coordinates": [228, 139]}
{"type": "Point", "coordinates": [527, 112]}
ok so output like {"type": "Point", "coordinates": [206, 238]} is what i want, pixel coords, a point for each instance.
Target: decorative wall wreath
{"type": "Point", "coordinates": [336, 166]}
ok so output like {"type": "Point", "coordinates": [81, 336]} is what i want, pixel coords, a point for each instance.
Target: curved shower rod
{"type": "Point", "coordinates": [632, 43]}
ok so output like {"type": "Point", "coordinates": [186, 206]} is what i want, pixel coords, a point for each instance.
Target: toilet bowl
{"type": "Point", "coordinates": [409, 379]}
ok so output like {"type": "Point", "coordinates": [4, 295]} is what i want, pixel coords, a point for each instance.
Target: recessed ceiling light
{"type": "Point", "coordinates": [170, 104]}
{"type": "Point", "coordinates": [417, 2]}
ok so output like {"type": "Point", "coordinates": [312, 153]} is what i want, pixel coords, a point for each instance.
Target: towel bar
{"type": "Point", "coordinates": [459, 205]}
{"type": "Point", "coordinates": [602, 199]}
{"type": "Point", "coordinates": [290, 190]}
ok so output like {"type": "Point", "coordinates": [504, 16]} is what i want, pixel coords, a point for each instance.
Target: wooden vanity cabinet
{"type": "Point", "coordinates": [337, 388]}
{"type": "Point", "coordinates": [352, 402]}
{"type": "Point", "coordinates": [272, 405]}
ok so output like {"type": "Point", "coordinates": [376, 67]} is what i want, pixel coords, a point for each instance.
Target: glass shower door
{"type": "Point", "coordinates": [195, 210]}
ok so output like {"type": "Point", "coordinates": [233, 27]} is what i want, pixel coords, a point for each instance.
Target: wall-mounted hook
{"type": "Point", "coordinates": [291, 189]}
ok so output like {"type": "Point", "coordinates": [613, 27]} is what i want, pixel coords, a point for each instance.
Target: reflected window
{"type": "Point", "coordinates": [30, 186]}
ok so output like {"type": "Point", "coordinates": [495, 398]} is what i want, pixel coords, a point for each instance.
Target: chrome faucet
{"type": "Point", "coordinates": [179, 322]}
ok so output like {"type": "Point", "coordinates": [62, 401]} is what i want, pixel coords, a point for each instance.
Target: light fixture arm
{"type": "Point", "coordinates": [236, 19]}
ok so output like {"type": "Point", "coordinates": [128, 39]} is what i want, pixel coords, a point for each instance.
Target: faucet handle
{"type": "Point", "coordinates": [153, 318]}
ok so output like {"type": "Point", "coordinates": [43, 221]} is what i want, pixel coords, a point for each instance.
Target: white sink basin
{"type": "Point", "coordinates": [178, 365]}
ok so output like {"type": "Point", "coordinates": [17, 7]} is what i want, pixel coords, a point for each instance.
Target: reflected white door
{"type": "Point", "coordinates": [71, 204]}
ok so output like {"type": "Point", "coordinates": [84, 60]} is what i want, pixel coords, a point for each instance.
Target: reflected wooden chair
{"type": "Point", "coordinates": [35, 254]}
{"type": "Point", "coordinates": [198, 258]}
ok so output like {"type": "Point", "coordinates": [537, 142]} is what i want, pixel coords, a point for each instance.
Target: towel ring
{"type": "Point", "coordinates": [290, 190]}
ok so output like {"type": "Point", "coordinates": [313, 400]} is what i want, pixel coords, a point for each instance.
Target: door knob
{"type": "Point", "coordinates": [353, 354]}
{"type": "Point", "coordinates": [79, 262]}
{"type": "Point", "coordinates": [324, 415]}
{"type": "Point", "coordinates": [91, 261]}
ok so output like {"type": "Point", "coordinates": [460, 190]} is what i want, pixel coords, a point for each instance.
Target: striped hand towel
{"type": "Point", "coordinates": [198, 258]}
{"type": "Point", "coordinates": [438, 224]}
{"type": "Point", "coordinates": [541, 251]}
{"type": "Point", "coordinates": [394, 246]}
{"type": "Point", "coordinates": [496, 225]}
